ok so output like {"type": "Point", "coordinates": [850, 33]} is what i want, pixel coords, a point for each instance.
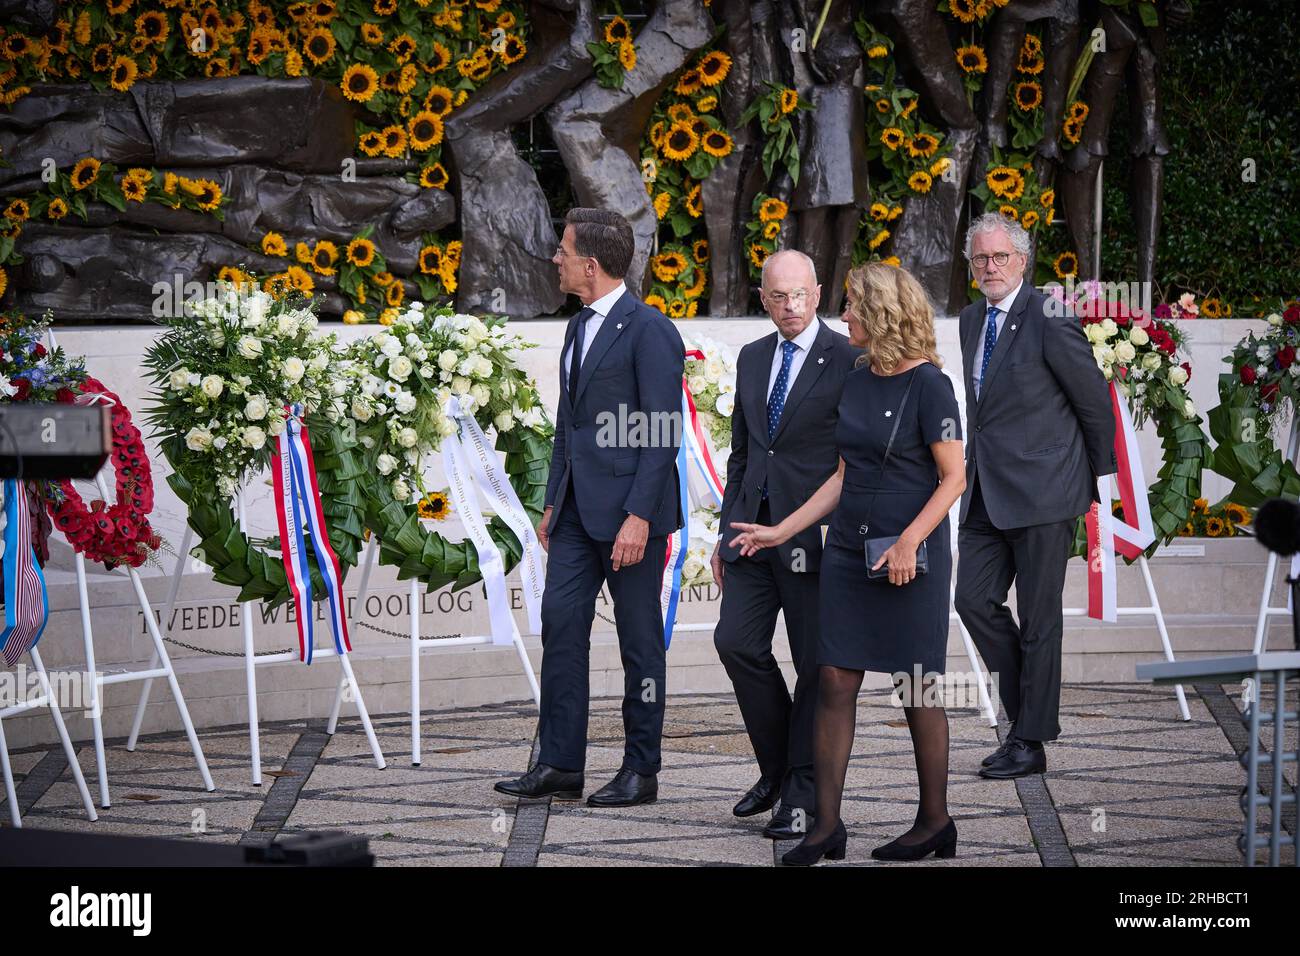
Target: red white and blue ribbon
{"type": "Point", "coordinates": [693, 457]}
{"type": "Point", "coordinates": [299, 514]}
{"type": "Point", "coordinates": [1108, 535]}
{"type": "Point", "coordinates": [27, 606]}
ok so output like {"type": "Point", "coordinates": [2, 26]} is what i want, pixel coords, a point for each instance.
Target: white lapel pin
{"type": "Point", "coordinates": [620, 325]}
{"type": "Point", "coordinates": [1013, 328]}
{"type": "Point", "coordinates": [820, 361]}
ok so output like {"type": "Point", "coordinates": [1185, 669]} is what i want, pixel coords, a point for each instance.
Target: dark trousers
{"type": "Point", "coordinates": [1027, 657]}
{"type": "Point", "coordinates": [577, 566]}
{"type": "Point", "coordinates": [781, 729]}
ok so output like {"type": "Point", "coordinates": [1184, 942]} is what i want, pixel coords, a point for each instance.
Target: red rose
{"type": "Point", "coordinates": [1247, 375]}
{"type": "Point", "coordinates": [24, 388]}
{"type": "Point", "coordinates": [39, 350]}
{"type": "Point", "coordinates": [1188, 369]}
{"type": "Point", "coordinates": [1285, 357]}
{"type": "Point", "coordinates": [64, 396]}
{"type": "Point", "coordinates": [1268, 392]}
{"type": "Point", "coordinates": [1292, 315]}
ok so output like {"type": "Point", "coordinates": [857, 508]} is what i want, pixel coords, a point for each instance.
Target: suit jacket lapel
{"type": "Point", "coordinates": [569, 334]}
{"type": "Point", "coordinates": [968, 348]}
{"type": "Point", "coordinates": [1009, 327]}
{"type": "Point", "coordinates": [610, 329]}
{"type": "Point", "coordinates": [754, 388]}
{"type": "Point", "coordinates": [809, 372]}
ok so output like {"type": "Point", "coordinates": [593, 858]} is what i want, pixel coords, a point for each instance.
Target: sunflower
{"type": "Point", "coordinates": [716, 143]}
{"type": "Point", "coordinates": [278, 285]}
{"type": "Point", "coordinates": [434, 506]}
{"type": "Point", "coordinates": [692, 202]}
{"type": "Point", "coordinates": [360, 82]}
{"type": "Point", "coordinates": [883, 105]}
{"type": "Point", "coordinates": [81, 32]}
{"type": "Point", "coordinates": [922, 144]}
{"type": "Point", "coordinates": [1031, 46]}
{"type": "Point", "coordinates": [152, 25]}
{"type": "Point", "coordinates": [382, 279]}
{"type": "Point", "coordinates": [1006, 182]}
{"type": "Point", "coordinates": [402, 46]}
{"type": "Point", "coordinates": [206, 192]}
{"type": "Point", "coordinates": [772, 230]}
{"type": "Point", "coordinates": [440, 60]}
{"type": "Point", "coordinates": [878, 239]}
{"type": "Point", "coordinates": [668, 265]}
{"type": "Point", "coordinates": [892, 137]}
{"type": "Point", "coordinates": [430, 260]}
{"type": "Point", "coordinates": [133, 189]}
{"type": "Point", "coordinates": [293, 63]}
{"type": "Point", "coordinates": [677, 309]}
{"type": "Point", "coordinates": [426, 130]}
{"type": "Point", "coordinates": [689, 83]}
{"type": "Point", "coordinates": [971, 58]}
{"type": "Point", "coordinates": [235, 276]}
{"type": "Point", "coordinates": [1066, 264]}
{"type": "Point", "coordinates": [789, 101]}
{"type": "Point", "coordinates": [1211, 309]}
{"type": "Point", "coordinates": [877, 52]}
{"type": "Point", "coordinates": [661, 204]}
{"type": "Point", "coordinates": [714, 67]}
{"type": "Point", "coordinates": [71, 67]}
{"type": "Point", "coordinates": [273, 244]}
{"type": "Point", "coordinates": [452, 251]}
{"type": "Point", "coordinates": [361, 252]}
{"type": "Point", "coordinates": [696, 288]}
{"type": "Point", "coordinates": [706, 104]}
{"type": "Point", "coordinates": [1072, 130]}
{"type": "Point", "coordinates": [85, 172]}
{"type": "Point", "coordinates": [1010, 211]}
{"type": "Point", "coordinates": [300, 279]}
{"type": "Point", "coordinates": [57, 208]}
{"type": "Point", "coordinates": [758, 254]}
{"type": "Point", "coordinates": [514, 49]}
{"type": "Point", "coordinates": [656, 301]}
{"type": "Point", "coordinates": [940, 166]}
{"type": "Point", "coordinates": [323, 256]}
{"type": "Point", "coordinates": [1079, 110]}
{"type": "Point", "coordinates": [434, 176]}
{"type": "Point", "coordinates": [507, 21]}
{"type": "Point", "coordinates": [371, 34]}
{"type": "Point", "coordinates": [1047, 199]}
{"type": "Point", "coordinates": [101, 58]}
{"type": "Point", "coordinates": [700, 251]}
{"type": "Point", "coordinates": [617, 30]}
{"type": "Point", "coordinates": [680, 142]}
{"type": "Point", "coordinates": [680, 113]}
{"type": "Point", "coordinates": [361, 291]}
{"type": "Point", "coordinates": [910, 108]}
{"type": "Point", "coordinates": [371, 143]}
{"type": "Point", "coordinates": [963, 10]}
{"type": "Point", "coordinates": [447, 274]}
{"type": "Point", "coordinates": [1029, 64]}
{"type": "Point", "coordinates": [1187, 531]}
{"type": "Point", "coordinates": [388, 317]}
{"type": "Point", "coordinates": [1214, 527]}
{"type": "Point", "coordinates": [438, 100]}
{"type": "Point", "coordinates": [395, 294]}
{"type": "Point", "coordinates": [920, 181]}
{"type": "Point", "coordinates": [1029, 219]}
{"type": "Point", "coordinates": [772, 209]}
{"type": "Point", "coordinates": [878, 211]}
{"type": "Point", "coordinates": [259, 47]}
{"type": "Point", "coordinates": [385, 8]}
{"type": "Point", "coordinates": [1237, 514]}
{"type": "Point", "coordinates": [1029, 95]}
{"type": "Point", "coordinates": [18, 210]}
{"type": "Point", "coordinates": [394, 141]}
{"type": "Point", "coordinates": [627, 56]}
{"type": "Point", "coordinates": [318, 45]}
{"type": "Point", "coordinates": [116, 7]}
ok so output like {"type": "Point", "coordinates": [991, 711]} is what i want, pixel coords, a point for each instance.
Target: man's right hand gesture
{"type": "Point", "coordinates": [543, 534]}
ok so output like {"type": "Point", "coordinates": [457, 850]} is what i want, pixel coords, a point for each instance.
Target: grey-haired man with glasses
{"type": "Point", "coordinates": [788, 386]}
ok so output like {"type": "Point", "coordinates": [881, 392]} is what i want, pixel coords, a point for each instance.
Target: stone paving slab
{"type": "Point", "coordinates": [1128, 784]}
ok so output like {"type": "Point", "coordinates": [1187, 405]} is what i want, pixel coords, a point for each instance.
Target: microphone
{"type": "Point", "coordinates": [1277, 526]}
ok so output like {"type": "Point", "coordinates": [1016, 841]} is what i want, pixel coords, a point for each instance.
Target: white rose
{"type": "Point", "coordinates": [483, 368]}
{"type": "Point", "coordinates": [212, 386]}
{"type": "Point", "coordinates": [1109, 326]}
{"type": "Point", "coordinates": [504, 421]}
{"type": "Point", "coordinates": [1189, 410]}
{"type": "Point", "coordinates": [319, 362]}
{"type": "Point", "coordinates": [426, 371]}
{"type": "Point", "coordinates": [276, 426]}
{"type": "Point", "coordinates": [386, 464]}
{"type": "Point", "coordinates": [697, 384]}
{"type": "Point", "coordinates": [249, 347]}
{"type": "Point", "coordinates": [1095, 333]}
{"type": "Point", "coordinates": [713, 370]}
{"type": "Point", "coordinates": [217, 338]}
{"type": "Point", "coordinates": [407, 437]}
{"type": "Point", "coordinates": [481, 393]}
{"type": "Point", "coordinates": [286, 326]}
{"type": "Point", "coordinates": [179, 378]}
{"type": "Point", "coordinates": [1108, 371]}
{"type": "Point", "coordinates": [1177, 375]}
{"type": "Point", "coordinates": [390, 346]}
{"type": "Point", "coordinates": [447, 360]}
{"type": "Point", "coordinates": [219, 443]}
{"type": "Point", "coordinates": [404, 402]}
{"type": "Point", "coordinates": [198, 439]}
{"type": "Point", "coordinates": [361, 409]}
{"type": "Point", "coordinates": [1139, 337]}
{"type": "Point", "coordinates": [255, 409]}
{"type": "Point", "coordinates": [412, 456]}
{"type": "Point", "coordinates": [1275, 319]}
{"type": "Point", "coordinates": [400, 490]}
{"type": "Point", "coordinates": [1262, 353]}
{"type": "Point", "coordinates": [446, 427]}
{"type": "Point", "coordinates": [399, 368]}
{"type": "Point", "coordinates": [1108, 355]}
{"type": "Point", "coordinates": [460, 385]}
{"type": "Point", "coordinates": [294, 369]}
{"type": "Point", "coordinates": [1151, 361]}
{"type": "Point", "coordinates": [692, 568]}
{"type": "Point", "coordinates": [1125, 352]}
{"type": "Point", "coordinates": [253, 437]}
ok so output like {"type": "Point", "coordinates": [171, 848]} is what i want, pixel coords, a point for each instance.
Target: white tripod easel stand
{"type": "Point", "coordinates": [418, 643]}
{"type": "Point", "coordinates": [45, 698]}
{"type": "Point", "coordinates": [1267, 610]}
{"type": "Point", "coordinates": [252, 661]}
{"type": "Point", "coordinates": [160, 667]}
{"type": "Point", "coordinates": [1152, 609]}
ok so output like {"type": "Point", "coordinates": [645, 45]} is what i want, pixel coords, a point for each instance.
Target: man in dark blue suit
{"type": "Point", "coordinates": [611, 502]}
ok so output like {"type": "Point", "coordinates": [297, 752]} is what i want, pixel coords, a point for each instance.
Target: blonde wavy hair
{"type": "Point", "coordinates": [895, 314]}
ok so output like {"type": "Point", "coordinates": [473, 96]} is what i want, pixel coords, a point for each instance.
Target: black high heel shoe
{"type": "Point", "coordinates": [943, 845]}
{"type": "Point", "coordinates": [807, 853]}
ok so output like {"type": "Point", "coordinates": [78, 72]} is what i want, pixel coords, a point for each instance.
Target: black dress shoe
{"type": "Point", "coordinates": [762, 796]}
{"type": "Point", "coordinates": [544, 781]}
{"type": "Point", "coordinates": [627, 789]}
{"type": "Point", "coordinates": [943, 845]}
{"type": "Point", "coordinates": [1002, 747]}
{"type": "Point", "coordinates": [789, 823]}
{"type": "Point", "coordinates": [808, 853]}
{"type": "Point", "coordinates": [1020, 760]}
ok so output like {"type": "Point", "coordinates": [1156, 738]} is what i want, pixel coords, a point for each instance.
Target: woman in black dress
{"type": "Point", "coordinates": [898, 623]}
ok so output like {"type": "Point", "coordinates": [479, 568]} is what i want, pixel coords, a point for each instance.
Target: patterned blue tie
{"type": "Point", "coordinates": [776, 401]}
{"type": "Point", "coordinates": [990, 340]}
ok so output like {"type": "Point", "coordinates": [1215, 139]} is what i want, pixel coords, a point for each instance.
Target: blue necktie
{"type": "Point", "coordinates": [990, 340]}
{"type": "Point", "coordinates": [776, 401]}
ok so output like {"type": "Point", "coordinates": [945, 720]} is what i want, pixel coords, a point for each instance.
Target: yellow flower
{"type": "Point", "coordinates": [895, 212]}
{"type": "Point", "coordinates": [1010, 211]}
{"type": "Point", "coordinates": [360, 82]}
{"type": "Point", "coordinates": [300, 280]}
{"type": "Point", "coordinates": [434, 177]}
{"type": "Point", "coordinates": [125, 71]}
{"type": "Point", "coordinates": [656, 301]}
{"type": "Point", "coordinates": [371, 34]}
{"type": "Point", "coordinates": [430, 260]}
{"type": "Point", "coordinates": [892, 137]}
{"type": "Point", "coordinates": [1214, 527]}
{"type": "Point", "coordinates": [426, 130]}
{"type": "Point", "coordinates": [680, 113]}
{"type": "Point", "coordinates": [439, 100]}
{"type": "Point", "coordinates": [371, 143]}
{"type": "Point", "coordinates": [940, 166]}
{"type": "Point", "coordinates": [57, 208]}
{"type": "Point", "coordinates": [1028, 96]}
{"type": "Point", "coordinates": [1006, 182]}
{"type": "Point", "coordinates": [1066, 264]}
{"type": "Point", "coordinates": [696, 288]}
{"type": "Point", "coordinates": [963, 10]}
{"type": "Point", "coordinates": [627, 56]}
{"type": "Point", "coordinates": [772, 209]}
{"type": "Point", "coordinates": [318, 45]}
{"type": "Point", "coordinates": [617, 31]}
{"type": "Point", "coordinates": [402, 47]}
{"type": "Point", "coordinates": [1237, 514]}
{"type": "Point", "coordinates": [892, 261]}
{"type": "Point", "coordinates": [689, 83]}
{"type": "Point", "coordinates": [879, 211]}
{"type": "Point", "coordinates": [668, 265]}
{"type": "Point", "coordinates": [700, 251]}
{"type": "Point", "coordinates": [877, 52]}
{"type": "Point", "coordinates": [758, 254]}
{"type": "Point", "coordinates": [1047, 199]}
{"type": "Point", "coordinates": [706, 104]}
{"type": "Point", "coordinates": [353, 317]}
{"type": "Point", "coordinates": [514, 50]}
{"type": "Point", "coordinates": [789, 100]}
{"type": "Point", "coordinates": [434, 506]}
{"type": "Point", "coordinates": [716, 143]}
{"type": "Point", "coordinates": [661, 204]}
{"type": "Point", "coordinates": [920, 182]}
{"type": "Point", "coordinates": [394, 141]}
{"type": "Point", "coordinates": [680, 142]}
{"type": "Point", "coordinates": [361, 252]}
{"type": "Point", "coordinates": [85, 172]}
{"type": "Point", "coordinates": [395, 294]}
{"type": "Point", "coordinates": [878, 239]}
{"type": "Point", "coordinates": [389, 316]}
{"type": "Point", "coordinates": [922, 144]}
{"type": "Point", "coordinates": [18, 210]}
{"type": "Point", "coordinates": [273, 244]}
{"type": "Point", "coordinates": [293, 63]}
{"type": "Point", "coordinates": [1029, 219]}
{"type": "Point", "coordinates": [713, 67]}
{"type": "Point", "coordinates": [971, 58]}
{"type": "Point", "coordinates": [323, 257]}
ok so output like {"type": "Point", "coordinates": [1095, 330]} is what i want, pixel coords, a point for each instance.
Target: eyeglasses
{"type": "Point", "coordinates": [563, 253]}
{"type": "Point", "coordinates": [780, 298]}
{"type": "Point", "coordinates": [999, 259]}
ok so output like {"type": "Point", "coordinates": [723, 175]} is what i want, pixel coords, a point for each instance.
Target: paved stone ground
{"type": "Point", "coordinates": [1128, 784]}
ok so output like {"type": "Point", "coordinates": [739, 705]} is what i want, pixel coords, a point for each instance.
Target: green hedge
{"type": "Point", "coordinates": [1231, 91]}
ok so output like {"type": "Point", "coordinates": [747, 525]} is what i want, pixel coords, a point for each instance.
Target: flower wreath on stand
{"type": "Point", "coordinates": [712, 382]}
{"type": "Point", "coordinates": [1140, 356]}
{"type": "Point", "coordinates": [399, 383]}
{"type": "Point", "coordinates": [1255, 398]}
{"type": "Point", "coordinates": [224, 374]}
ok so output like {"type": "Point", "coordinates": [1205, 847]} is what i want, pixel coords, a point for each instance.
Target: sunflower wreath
{"type": "Point", "coordinates": [400, 381]}
{"type": "Point", "coordinates": [223, 374]}
{"type": "Point", "coordinates": [116, 534]}
{"type": "Point", "coordinates": [1139, 355]}
{"type": "Point", "coordinates": [1253, 398]}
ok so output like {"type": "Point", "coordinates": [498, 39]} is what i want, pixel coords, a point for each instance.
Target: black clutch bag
{"type": "Point", "coordinates": [876, 547]}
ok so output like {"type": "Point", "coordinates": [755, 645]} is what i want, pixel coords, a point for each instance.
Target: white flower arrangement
{"type": "Point", "coordinates": [713, 387]}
